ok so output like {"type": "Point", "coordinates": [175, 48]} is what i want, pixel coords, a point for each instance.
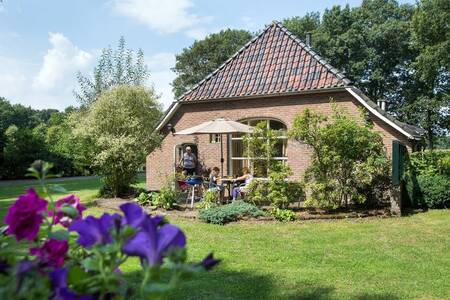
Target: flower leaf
{"type": "Point", "coordinates": [57, 188]}
{"type": "Point", "coordinates": [62, 235]}
{"type": "Point", "coordinates": [77, 275]}
{"type": "Point", "coordinates": [69, 210]}
{"type": "Point", "coordinates": [91, 264]}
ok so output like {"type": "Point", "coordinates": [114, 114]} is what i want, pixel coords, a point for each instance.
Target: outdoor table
{"type": "Point", "coordinates": [228, 182]}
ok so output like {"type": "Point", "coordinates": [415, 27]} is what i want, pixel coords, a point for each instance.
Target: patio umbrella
{"type": "Point", "coordinates": [218, 126]}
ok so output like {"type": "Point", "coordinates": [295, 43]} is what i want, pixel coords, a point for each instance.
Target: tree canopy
{"type": "Point", "coordinates": [27, 134]}
{"type": "Point", "coordinates": [115, 67]}
{"type": "Point", "coordinates": [118, 131]}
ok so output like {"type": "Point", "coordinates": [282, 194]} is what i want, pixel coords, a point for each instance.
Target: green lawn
{"type": "Point", "coordinates": [85, 188]}
{"type": "Point", "coordinates": [396, 258]}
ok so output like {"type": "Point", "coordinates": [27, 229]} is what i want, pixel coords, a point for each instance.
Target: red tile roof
{"type": "Point", "coordinates": [274, 62]}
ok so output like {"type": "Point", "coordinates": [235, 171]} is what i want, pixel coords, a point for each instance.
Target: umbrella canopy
{"type": "Point", "coordinates": [220, 125]}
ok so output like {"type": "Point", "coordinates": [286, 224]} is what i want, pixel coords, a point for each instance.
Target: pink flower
{"type": "Point", "coordinates": [63, 219]}
{"type": "Point", "coordinates": [25, 216]}
{"type": "Point", "coordinates": [52, 253]}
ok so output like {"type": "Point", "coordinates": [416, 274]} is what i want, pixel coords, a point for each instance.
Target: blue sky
{"type": "Point", "coordinates": [44, 43]}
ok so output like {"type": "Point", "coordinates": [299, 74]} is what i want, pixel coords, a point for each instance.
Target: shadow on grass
{"type": "Point", "coordinates": [221, 284]}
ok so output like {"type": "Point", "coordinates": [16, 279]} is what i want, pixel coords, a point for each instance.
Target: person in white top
{"type": "Point", "coordinates": [247, 177]}
{"type": "Point", "coordinates": [188, 161]}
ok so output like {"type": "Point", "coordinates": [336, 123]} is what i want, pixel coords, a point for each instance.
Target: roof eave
{"type": "Point", "coordinates": [366, 102]}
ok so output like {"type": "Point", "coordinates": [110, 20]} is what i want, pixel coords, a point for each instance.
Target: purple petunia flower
{"type": "Point", "coordinates": [209, 262]}
{"type": "Point", "coordinates": [152, 242]}
{"type": "Point", "coordinates": [23, 268]}
{"type": "Point", "coordinates": [52, 253]}
{"type": "Point", "coordinates": [62, 219]}
{"type": "Point", "coordinates": [25, 216]}
{"type": "Point", "coordinates": [93, 231]}
{"type": "Point", "coordinates": [133, 215]}
{"type": "Point", "coordinates": [58, 279]}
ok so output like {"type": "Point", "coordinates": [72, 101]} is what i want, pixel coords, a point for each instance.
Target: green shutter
{"type": "Point", "coordinates": [398, 161]}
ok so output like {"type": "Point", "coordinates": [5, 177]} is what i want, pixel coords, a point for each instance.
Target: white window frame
{"type": "Point", "coordinates": [248, 159]}
{"type": "Point", "coordinates": [214, 138]}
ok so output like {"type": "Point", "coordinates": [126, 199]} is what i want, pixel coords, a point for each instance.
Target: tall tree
{"type": "Point", "coordinates": [302, 25]}
{"type": "Point", "coordinates": [27, 134]}
{"type": "Point", "coordinates": [431, 68]}
{"type": "Point", "coordinates": [115, 67]}
{"type": "Point", "coordinates": [119, 131]}
{"type": "Point", "coordinates": [204, 56]}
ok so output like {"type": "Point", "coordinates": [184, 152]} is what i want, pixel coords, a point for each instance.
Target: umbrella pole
{"type": "Point", "coordinates": [221, 153]}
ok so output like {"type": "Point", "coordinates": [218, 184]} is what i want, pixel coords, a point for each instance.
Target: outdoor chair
{"type": "Point", "coordinates": [243, 192]}
{"type": "Point", "coordinates": [194, 183]}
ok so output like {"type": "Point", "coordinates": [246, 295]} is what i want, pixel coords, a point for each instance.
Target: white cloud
{"type": "Point", "coordinates": [49, 84]}
{"type": "Point", "coordinates": [169, 16]}
{"type": "Point", "coordinates": [63, 60]}
{"type": "Point", "coordinates": [12, 77]}
{"type": "Point", "coordinates": [161, 75]}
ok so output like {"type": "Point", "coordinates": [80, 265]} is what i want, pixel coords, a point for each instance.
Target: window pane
{"type": "Point", "coordinates": [214, 138]}
{"type": "Point", "coordinates": [276, 125]}
{"type": "Point", "coordinates": [237, 149]}
{"type": "Point", "coordinates": [238, 165]}
{"type": "Point", "coordinates": [255, 122]}
{"type": "Point", "coordinates": [280, 148]}
{"type": "Point", "coordinates": [260, 168]}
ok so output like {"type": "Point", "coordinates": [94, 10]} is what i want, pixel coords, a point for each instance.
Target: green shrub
{"type": "Point", "coordinates": [257, 192]}
{"type": "Point", "coordinates": [230, 213]}
{"type": "Point", "coordinates": [346, 156]}
{"type": "Point", "coordinates": [430, 162]}
{"type": "Point", "coordinates": [277, 190]}
{"type": "Point", "coordinates": [283, 215]}
{"type": "Point", "coordinates": [209, 200]}
{"type": "Point", "coordinates": [144, 199]}
{"type": "Point", "coordinates": [431, 191]}
{"type": "Point", "coordinates": [281, 191]}
{"type": "Point", "coordinates": [166, 198]}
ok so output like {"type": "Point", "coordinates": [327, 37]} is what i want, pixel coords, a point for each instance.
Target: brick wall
{"type": "Point", "coordinates": [160, 163]}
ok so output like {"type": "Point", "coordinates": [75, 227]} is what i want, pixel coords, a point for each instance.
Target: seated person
{"type": "Point", "coordinates": [214, 180]}
{"type": "Point", "coordinates": [247, 177]}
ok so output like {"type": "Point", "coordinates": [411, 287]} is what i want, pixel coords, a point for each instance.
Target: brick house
{"type": "Point", "coordinates": [273, 77]}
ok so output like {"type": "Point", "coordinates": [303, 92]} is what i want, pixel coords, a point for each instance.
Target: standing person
{"type": "Point", "coordinates": [188, 161]}
{"type": "Point", "coordinates": [247, 177]}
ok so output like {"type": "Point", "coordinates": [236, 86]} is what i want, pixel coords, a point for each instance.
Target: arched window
{"type": "Point", "coordinates": [237, 158]}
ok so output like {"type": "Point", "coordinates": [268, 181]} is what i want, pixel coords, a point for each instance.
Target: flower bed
{"type": "Point", "coordinates": [68, 256]}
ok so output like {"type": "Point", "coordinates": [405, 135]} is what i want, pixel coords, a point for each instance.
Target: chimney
{"type": "Point", "coordinates": [382, 103]}
{"type": "Point", "coordinates": [308, 39]}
